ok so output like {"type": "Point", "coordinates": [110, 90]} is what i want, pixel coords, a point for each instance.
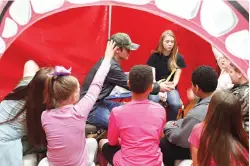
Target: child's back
{"type": "Point", "coordinates": [65, 133]}
{"type": "Point", "coordinates": [140, 125]}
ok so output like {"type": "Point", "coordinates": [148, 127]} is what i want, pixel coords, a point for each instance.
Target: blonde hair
{"type": "Point", "coordinates": [173, 54]}
{"type": "Point", "coordinates": [58, 89]}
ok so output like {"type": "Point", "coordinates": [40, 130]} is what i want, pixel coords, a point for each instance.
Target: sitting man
{"type": "Point", "coordinates": [135, 128]}
{"type": "Point", "coordinates": [100, 113]}
{"type": "Point", "coordinates": [241, 89]}
{"type": "Point", "coordinates": [175, 145]}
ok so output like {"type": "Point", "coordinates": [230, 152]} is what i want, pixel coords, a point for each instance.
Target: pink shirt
{"type": "Point", "coordinates": [137, 127]}
{"type": "Point", "coordinates": [195, 136]}
{"type": "Point", "coordinates": [65, 126]}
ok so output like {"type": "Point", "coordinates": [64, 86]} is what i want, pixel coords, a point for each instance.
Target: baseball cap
{"type": "Point", "coordinates": [123, 40]}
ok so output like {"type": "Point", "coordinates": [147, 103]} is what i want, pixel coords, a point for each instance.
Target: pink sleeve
{"type": "Point", "coordinates": [194, 137]}
{"type": "Point", "coordinates": [113, 134]}
{"type": "Point", "coordinates": [84, 106]}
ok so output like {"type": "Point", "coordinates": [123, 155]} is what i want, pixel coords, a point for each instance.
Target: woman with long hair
{"type": "Point", "coordinates": [220, 140]}
{"type": "Point", "coordinates": [20, 113]}
{"type": "Point", "coordinates": [168, 64]}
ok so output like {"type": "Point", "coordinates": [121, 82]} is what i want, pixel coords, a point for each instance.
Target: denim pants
{"type": "Point", "coordinates": [99, 117]}
{"type": "Point", "coordinates": [173, 100]}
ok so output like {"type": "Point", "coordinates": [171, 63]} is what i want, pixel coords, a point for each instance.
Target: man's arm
{"type": "Point", "coordinates": [179, 132]}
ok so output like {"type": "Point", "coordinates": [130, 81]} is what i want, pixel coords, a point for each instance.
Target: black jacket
{"type": "Point", "coordinates": [116, 76]}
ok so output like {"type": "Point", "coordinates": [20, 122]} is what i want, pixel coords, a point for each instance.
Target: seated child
{"type": "Point", "coordinates": [65, 118]}
{"type": "Point", "coordinates": [220, 139]}
{"type": "Point", "coordinates": [135, 128]}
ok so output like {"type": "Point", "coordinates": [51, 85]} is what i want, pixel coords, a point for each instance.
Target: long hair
{"type": "Point", "coordinates": [173, 54]}
{"type": "Point", "coordinates": [59, 89]}
{"type": "Point", "coordinates": [223, 138]}
{"type": "Point", "coordinates": [35, 106]}
{"type": "Point", "coordinates": [19, 93]}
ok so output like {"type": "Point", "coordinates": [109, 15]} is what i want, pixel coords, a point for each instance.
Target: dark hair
{"type": "Point", "coordinates": [58, 89]}
{"type": "Point", "coordinates": [206, 78]}
{"type": "Point", "coordinates": [223, 138]}
{"type": "Point", "coordinates": [35, 106]}
{"type": "Point", "coordinates": [140, 78]}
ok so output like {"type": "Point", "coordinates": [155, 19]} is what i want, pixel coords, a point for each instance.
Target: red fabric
{"type": "Point", "coordinates": [77, 38]}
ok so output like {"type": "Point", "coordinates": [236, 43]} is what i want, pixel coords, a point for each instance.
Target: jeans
{"type": "Point", "coordinates": [99, 117]}
{"type": "Point", "coordinates": [173, 100]}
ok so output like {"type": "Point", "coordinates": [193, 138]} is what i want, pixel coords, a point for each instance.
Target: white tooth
{"type": "Point", "coordinates": [2, 46]}
{"type": "Point", "coordinates": [20, 11]}
{"type": "Point", "coordinates": [10, 28]}
{"type": "Point", "coordinates": [43, 6]}
{"type": "Point", "coordinates": [238, 44]}
{"type": "Point", "coordinates": [135, 2]}
{"type": "Point", "coordinates": [186, 9]}
{"type": "Point", "coordinates": [217, 18]}
{"type": "Point", "coordinates": [82, 1]}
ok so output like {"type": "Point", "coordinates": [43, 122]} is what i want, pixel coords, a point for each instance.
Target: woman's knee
{"type": "Point", "coordinates": [30, 68]}
{"type": "Point", "coordinates": [102, 142]}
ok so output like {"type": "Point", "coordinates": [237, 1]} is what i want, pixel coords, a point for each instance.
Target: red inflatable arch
{"type": "Point", "coordinates": [73, 33]}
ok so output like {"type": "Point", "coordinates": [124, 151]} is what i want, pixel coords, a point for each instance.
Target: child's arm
{"type": "Point", "coordinates": [113, 135]}
{"type": "Point", "coordinates": [84, 106]}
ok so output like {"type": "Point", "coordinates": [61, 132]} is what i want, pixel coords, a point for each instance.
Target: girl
{"type": "Point", "coordinates": [220, 140]}
{"type": "Point", "coordinates": [12, 114]}
{"type": "Point", "coordinates": [168, 62]}
{"type": "Point", "coordinates": [65, 118]}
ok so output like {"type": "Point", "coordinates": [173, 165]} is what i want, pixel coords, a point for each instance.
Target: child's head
{"type": "Point", "coordinates": [204, 80]}
{"type": "Point", "coordinates": [61, 88]}
{"type": "Point", "coordinates": [223, 131]}
{"type": "Point", "coordinates": [224, 110]}
{"type": "Point", "coordinates": [141, 79]}
{"type": "Point", "coordinates": [236, 76]}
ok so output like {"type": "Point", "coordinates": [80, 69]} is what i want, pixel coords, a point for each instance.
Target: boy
{"type": "Point", "coordinates": [136, 128]}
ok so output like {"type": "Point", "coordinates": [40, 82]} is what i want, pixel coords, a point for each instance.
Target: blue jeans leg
{"type": "Point", "coordinates": [99, 117]}
{"type": "Point", "coordinates": [173, 100]}
{"type": "Point", "coordinates": [155, 98]}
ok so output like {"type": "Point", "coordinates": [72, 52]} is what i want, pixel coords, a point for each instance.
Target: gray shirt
{"type": "Point", "coordinates": [178, 133]}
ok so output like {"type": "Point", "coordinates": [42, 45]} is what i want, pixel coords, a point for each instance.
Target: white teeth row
{"type": "Point", "coordinates": [215, 16]}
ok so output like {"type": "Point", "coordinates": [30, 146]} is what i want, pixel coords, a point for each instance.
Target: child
{"type": "Point", "coordinates": [135, 129]}
{"type": "Point", "coordinates": [65, 118]}
{"type": "Point", "coordinates": [241, 90]}
{"type": "Point", "coordinates": [220, 139]}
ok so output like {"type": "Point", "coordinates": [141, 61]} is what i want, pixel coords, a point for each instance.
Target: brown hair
{"type": "Point", "coordinates": [58, 89]}
{"type": "Point", "coordinates": [35, 106]}
{"type": "Point", "coordinates": [223, 138]}
{"type": "Point", "coordinates": [173, 55]}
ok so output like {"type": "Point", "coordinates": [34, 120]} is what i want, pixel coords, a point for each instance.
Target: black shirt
{"type": "Point", "coordinates": [160, 63]}
{"type": "Point", "coordinates": [116, 76]}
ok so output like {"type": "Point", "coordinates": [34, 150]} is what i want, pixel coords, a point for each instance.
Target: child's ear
{"type": "Point", "coordinates": [128, 84]}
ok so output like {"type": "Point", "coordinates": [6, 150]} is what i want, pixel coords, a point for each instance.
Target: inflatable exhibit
{"type": "Point", "coordinates": [74, 33]}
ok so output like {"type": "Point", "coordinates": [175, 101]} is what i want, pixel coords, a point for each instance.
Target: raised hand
{"type": "Point", "coordinates": [110, 50]}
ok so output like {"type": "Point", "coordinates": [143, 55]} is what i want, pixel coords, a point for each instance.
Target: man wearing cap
{"type": "Point", "coordinates": [116, 77]}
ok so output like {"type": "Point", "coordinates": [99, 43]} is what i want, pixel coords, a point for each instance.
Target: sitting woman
{"type": "Point", "coordinates": [13, 109]}
{"type": "Point", "coordinates": [65, 118]}
{"type": "Point", "coordinates": [220, 139]}
{"type": "Point", "coordinates": [168, 64]}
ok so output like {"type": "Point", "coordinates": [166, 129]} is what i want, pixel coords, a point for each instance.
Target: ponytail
{"type": "Point", "coordinates": [49, 99]}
